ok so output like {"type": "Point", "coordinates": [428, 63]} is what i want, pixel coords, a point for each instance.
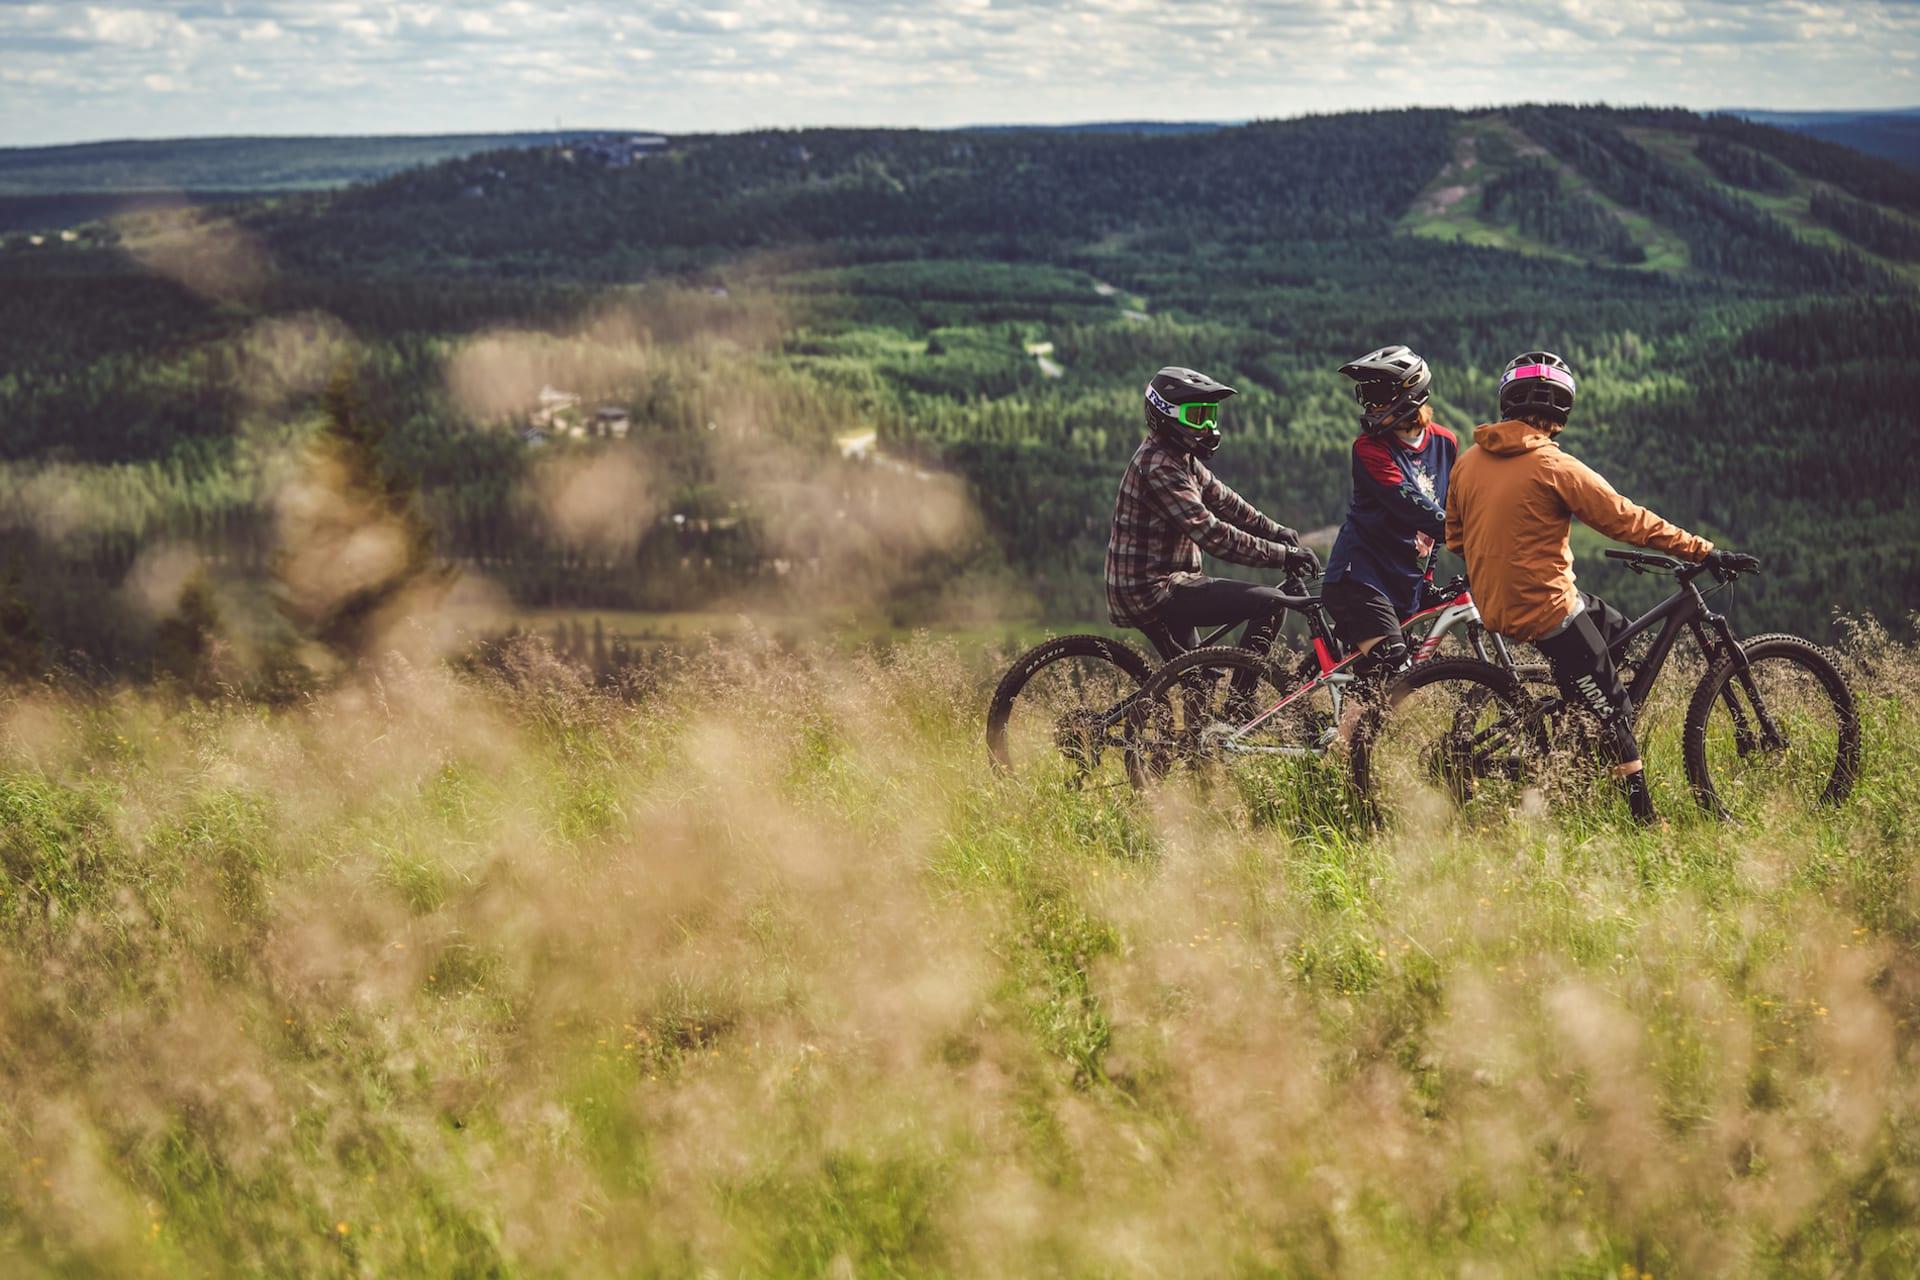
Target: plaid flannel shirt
{"type": "Point", "coordinates": [1171, 508]}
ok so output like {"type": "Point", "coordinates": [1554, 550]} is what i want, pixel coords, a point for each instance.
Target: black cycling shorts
{"type": "Point", "coordinates": [1360, 612]}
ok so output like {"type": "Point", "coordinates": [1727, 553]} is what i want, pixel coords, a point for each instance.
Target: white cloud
{"type": "Point", "coordinates": [417, 65]}
{"type": "Point", "coordinates": [139, 28]}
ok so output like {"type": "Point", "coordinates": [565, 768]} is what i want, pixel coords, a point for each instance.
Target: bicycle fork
{"type": "Point", "coordinates": [1745, 741]}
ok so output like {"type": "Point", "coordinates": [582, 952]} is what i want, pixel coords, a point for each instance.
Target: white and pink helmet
{"type": "Point", "coordinates": [1537, 384]}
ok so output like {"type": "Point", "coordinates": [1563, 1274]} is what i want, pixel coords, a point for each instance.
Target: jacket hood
{"type": "Point", "coordinates": [1510, 438]}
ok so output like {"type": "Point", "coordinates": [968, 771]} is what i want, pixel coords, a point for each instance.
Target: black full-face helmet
{"type": "Point", "coordinates": [1537, 384]}
{"type": "Point", "coordinates": [1391, 384]}
{"type": "Point", "coordinates": [1183, 406]}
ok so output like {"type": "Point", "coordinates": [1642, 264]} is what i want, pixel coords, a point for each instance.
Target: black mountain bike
{"type": "Point", "coordinates": [1771, 719]}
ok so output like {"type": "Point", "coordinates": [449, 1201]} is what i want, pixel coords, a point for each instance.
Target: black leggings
{"type": "Point", "coordinates": [1214, 602]}
{"type": "Point", "coordinates": [1584, 670]}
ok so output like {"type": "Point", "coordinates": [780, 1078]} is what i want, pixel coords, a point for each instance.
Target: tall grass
{"type": "Point", "coordinates": [756, 970]}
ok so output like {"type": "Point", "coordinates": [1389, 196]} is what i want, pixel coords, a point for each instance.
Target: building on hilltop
{"type": "Point", "coordinates": [617, 151]}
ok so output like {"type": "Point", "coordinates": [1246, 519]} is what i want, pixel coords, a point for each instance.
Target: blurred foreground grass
{"type": "Point", "coordinates": [758, 971]}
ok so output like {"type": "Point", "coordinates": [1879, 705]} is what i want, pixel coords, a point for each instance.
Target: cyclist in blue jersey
{"type": "Point", "coordinates": [1401, 461]}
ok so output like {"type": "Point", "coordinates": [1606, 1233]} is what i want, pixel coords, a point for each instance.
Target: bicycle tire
{"type": "Point", "coordinates": [1144, 767]}
{"type": "Point", "coordinates": [1136, 665]}
{"type": "Point", "coordinates": [1499, 684]}
{"type": "Point", "coordinates": [1772, 647]}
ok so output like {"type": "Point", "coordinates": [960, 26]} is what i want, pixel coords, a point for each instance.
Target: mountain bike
{"type": "Point", "coordinates": [1218, 705]}
{"type": "Point", "coordinates": [1771, 718]}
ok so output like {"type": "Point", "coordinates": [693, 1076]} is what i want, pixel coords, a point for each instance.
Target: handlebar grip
{"type": "Point", "coordinates": [1733, 566]}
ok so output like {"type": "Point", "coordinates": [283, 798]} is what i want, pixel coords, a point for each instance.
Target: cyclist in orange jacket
{"type": "Point", "coordinates": [1512, 500]}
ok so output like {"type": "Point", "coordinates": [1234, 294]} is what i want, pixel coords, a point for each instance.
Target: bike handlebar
{"type": "Point", "coordinates": [1652, 562]}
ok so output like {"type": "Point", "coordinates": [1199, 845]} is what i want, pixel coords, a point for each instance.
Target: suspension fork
{"type": "Point", "coordinates": [1502, 655]}
{"type": "Point", "coordinates": [1745, 740]}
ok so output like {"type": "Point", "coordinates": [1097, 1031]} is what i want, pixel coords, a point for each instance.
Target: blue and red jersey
{"type": "Point", "coordinates": [1398, 511]}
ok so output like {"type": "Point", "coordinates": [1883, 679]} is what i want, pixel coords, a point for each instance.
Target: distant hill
{"type": "Point", "coordinates": [240, 164]}
{"type": "Point", "coordinates": [1892, 135]}
{"type": "Point", "coordinates": [214, 167]}
{"type": "Point", "coordinates": [1652, 191]}
{"type": "Point", "coordinates": [1113, 126]}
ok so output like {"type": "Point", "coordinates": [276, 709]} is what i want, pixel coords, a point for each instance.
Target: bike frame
{"type": "Point", "coordinates": [1686, 610]}
{"type": "Point", "coordinates": [1334, 673]}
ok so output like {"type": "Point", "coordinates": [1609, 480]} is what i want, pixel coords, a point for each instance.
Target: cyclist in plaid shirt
{"type": "Point", "coordinates": [1171, 508]}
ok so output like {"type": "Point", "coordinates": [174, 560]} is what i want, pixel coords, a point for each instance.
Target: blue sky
{"type": "Point", "coordinates": [72, 72]}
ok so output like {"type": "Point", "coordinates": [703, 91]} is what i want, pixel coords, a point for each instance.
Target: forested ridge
{"type": "Point", "coordinates": [1737, 301]}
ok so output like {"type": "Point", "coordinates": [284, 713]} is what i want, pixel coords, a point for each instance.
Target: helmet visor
{"type": "Point", "coordinates": [1201, 417]}
{"type": "Point", "coordinates": [1376, 393]}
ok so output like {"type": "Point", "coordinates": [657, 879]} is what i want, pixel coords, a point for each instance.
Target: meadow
{"type": "Point", "coordinates": [692, 933]}
{"type": "Point", "coordinates": [746, 964]}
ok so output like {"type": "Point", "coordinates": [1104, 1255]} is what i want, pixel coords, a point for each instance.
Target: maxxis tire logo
{"type": "Point", "coordinates": [1052, 651]}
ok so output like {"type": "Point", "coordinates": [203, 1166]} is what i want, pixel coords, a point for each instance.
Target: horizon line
{"type": "Point", "coordinates": [1199, 122]}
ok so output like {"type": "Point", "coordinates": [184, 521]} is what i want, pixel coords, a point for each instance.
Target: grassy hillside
{"type": "Point", "coordinates": [810, 332]}
{"type": "Point", "coordinates": [756, 970]}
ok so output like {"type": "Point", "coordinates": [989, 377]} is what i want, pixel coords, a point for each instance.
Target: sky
{"type": "Point", "coordinates": [79, 72]}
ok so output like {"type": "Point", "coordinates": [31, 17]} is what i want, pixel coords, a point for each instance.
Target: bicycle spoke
{"type": "Point", "coordinates": [1230, 716]}
{"type": "Point", "coordinates": [1067, 724]}
{"type": "Point", "coordinates": [1447, 750]}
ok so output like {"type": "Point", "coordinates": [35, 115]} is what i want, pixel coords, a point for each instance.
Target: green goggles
{"type": "Point", "coordinates": [1201, 417]}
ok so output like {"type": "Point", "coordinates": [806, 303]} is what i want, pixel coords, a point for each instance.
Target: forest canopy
{"type": "Point", "coordinates": [801, 333]}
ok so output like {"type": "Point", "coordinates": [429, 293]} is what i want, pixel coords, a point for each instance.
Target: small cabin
{"type": "Point", "coordinates": [612, 422]}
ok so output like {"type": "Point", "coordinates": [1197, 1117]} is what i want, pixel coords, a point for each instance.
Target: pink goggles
{"type": "Point", "coordinates": [1546, 371]}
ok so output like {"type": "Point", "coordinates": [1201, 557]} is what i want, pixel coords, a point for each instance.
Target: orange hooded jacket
{"type": "Point", "coordinates": [1511, 501]}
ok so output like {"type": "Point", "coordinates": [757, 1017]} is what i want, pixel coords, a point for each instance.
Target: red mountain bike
{"type": "Point", "coordinates": [1076, 703]}
{"type": "Point", "coordinates": [1223, 705]}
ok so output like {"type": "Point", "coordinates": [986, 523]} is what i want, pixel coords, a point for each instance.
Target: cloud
{"type": "Point", "coordinates": [146, 67]}
{"type": "Point", "coordinates": [139, 28]}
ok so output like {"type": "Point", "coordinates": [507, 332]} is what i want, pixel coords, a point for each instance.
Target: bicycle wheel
{"type": "Point", "coordinates": [1455, 738]}
{"type": "Point", "coordinates": [1226, 706]}
{"type": "Point", "coordinates": [1783, 729]}
{"type": "Point", "coordinates": [1061, 706]}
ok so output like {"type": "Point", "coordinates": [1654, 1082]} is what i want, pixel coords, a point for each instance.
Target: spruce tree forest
{"type": "Point", "coordinates": [898, 372]}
